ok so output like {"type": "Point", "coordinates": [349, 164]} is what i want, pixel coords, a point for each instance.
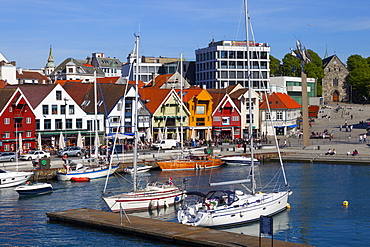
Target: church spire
{"type": "Point", "coordinates": [326, 52]}
{"type": "Point", "coordinates": [50, 63]}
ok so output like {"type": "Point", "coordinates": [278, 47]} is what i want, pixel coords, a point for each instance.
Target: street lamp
{"type": "Point", "coordinates": [65, 121]}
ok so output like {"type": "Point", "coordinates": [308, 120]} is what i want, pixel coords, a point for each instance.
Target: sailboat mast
{"type": "Point", "coordinates": [181, 109]}
{"type": "Point", "coordinates": [250, 129]}
{"type": "Point", "coordinates": [96, 118]}
{"type": "Point", "coordinates": [135, 110]}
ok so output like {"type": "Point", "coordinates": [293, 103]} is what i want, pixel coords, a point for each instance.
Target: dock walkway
{"type": "Point", "coordinates": [160, 230]}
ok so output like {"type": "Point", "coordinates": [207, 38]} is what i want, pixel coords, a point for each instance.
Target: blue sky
{"type": "Point", "coordinates": [170, 27]}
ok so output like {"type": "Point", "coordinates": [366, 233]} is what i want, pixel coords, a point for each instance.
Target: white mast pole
{"type": "Point", "coordinates": [96, 118]}
{"type": "Point", "coordinates": [135, 111]}
{"type": "Point", "coordinates": [250, 130]}
{"type": "Point", "coordinates": [181, 110]}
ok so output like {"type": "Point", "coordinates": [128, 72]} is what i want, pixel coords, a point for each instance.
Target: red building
{"type": "Point", "coordinates": [17, 122]}
{"type": "Point", "coordinates": [226, 117]}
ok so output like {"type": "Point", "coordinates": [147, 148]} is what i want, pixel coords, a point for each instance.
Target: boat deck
{"type": "Point", "coordinates": [160, 230]}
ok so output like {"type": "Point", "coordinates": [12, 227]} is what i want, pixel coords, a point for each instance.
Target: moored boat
{"type": "Point", "coordinates": [140, 169]}
{"type": "Point", "coordinates": [154, 194]}
{"type": "Point", "coordinates": [238, 160]}
{"type": "Point", "coordinates": [34, 188]}
{"type": "Point", "coordinates": [10, 179]}
{"type": "Point", "coordinates": [91, 172]}
{"type": "Point", "coordinates": [194, 161]}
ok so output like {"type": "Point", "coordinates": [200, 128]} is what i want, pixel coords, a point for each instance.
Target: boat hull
{"type": "Point", "coordinates": [10, 179]}
{"type": "Point", "coordinates": [249, 209]}
{"type": "Point", "coordinates": [190, 164]}
{"type": "Point", "coordinates": [239, 160]}
{"type": "Point", "coordinates": [34, 189]}
{"type": "Point", "coordinates": [91, 173]}
{"type": "Point", "coordinates": [145, 199]}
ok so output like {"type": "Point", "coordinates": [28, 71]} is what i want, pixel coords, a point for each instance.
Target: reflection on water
{"type": "Point", "coordinates": [316, 217]}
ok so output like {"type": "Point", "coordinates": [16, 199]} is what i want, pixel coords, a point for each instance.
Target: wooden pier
{"type": "Point", "coordinates": [160, 230]}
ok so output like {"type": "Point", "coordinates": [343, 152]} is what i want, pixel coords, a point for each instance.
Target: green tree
{"type": "Point", "coordinates": [359, 77]}
{"type": "Point", "coordinates": [313, 69]}
{"type": "Point", "coordinates": [291, 66]}
{"type": "Point", "coordinates": [275, 66]}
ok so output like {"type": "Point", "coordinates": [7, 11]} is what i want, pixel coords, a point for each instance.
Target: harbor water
{"type": "Point", "coordinates": [316, 217]}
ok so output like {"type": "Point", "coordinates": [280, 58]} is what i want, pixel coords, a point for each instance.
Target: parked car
{"type": "Point", "coordinates": [35, 154]}
{"type": "Point", "coordinates": [7, 156]}
{"type": "Point", "coordinates": [71, 151]}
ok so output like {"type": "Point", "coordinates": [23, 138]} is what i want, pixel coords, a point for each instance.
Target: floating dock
{"type": "Point", "coordinates": [160, 230]}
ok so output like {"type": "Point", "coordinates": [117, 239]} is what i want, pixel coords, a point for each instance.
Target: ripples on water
{"type": "Point", "coordinates": [316, 217]}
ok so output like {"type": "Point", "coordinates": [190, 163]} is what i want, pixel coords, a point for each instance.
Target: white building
{"type": "Point", "coordinates": [110, 66]}
{"type": "Point", "coordinates": [224, 63]}
{"type": "Point", "coordinates": [7, 70]}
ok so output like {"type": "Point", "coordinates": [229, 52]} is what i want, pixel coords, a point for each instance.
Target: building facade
{"type": "Point", "coordinates": [224, 63]}
{"type": "Point", "coordinates": [334, 84]}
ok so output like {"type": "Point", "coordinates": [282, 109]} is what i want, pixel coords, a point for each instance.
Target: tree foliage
{"type": "Point", "coordinates": [275, 66]}
{"type": "Point", "coordinates": [359, 77]}
{"type": "Point", "coordinates": [291, 66]}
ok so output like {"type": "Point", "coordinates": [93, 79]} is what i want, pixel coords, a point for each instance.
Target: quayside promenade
{"type": "Point", "coordinates": [160, 230]}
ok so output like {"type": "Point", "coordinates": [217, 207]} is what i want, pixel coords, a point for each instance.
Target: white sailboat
{"type": "Point", "coordinates": [226, 207]}
{"type": "Point", "coordinates": [154, 194]}
{"type": "Point", "coordinates": [93, 170]}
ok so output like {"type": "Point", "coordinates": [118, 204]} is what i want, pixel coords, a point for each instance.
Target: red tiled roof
{"type": "Point", "coordinates": [62, 82]}
{"type": "Point", "coordinates": [88, 65]}
{"type": "Point", "coordinates": [153, 97]}
{"type": "Point", "coordinates": [35, 93]}
{"type": "Point", "coordinates": [31, 75]}
{"type": "Point", "coordinates": [280, 101]}
{"type": "Point", "coordinates": [111, 80]}
{"type": "Point", "coordinates": [3, 83]}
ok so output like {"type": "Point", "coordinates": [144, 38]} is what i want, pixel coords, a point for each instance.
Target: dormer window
{"type": "Point", "coordinates": [86, 103]}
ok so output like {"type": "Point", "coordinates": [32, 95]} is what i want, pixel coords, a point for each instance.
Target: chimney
{"type": "Point", "coordinates": [153, 78]}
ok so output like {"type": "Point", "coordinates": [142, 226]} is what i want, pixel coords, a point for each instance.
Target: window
{"type": "Point", "coordinates": [58, 95]}
{"type": "Point", "coordinates": [225, 120]}
{"type": "Point", "coordinates": [45, 110]}
{"type": "Point", "coordinates": [279, 115]}
{"type": "Point", "coordinates": [79, 123]}
{"type": "Point", "coordinates": [216, 119]}
{"type": "Point", "coordinates": [86, 103]}
{"type": "Point", "coordinates": [6, 120]}
{"type": "Point", "coordinates": [28, 133]}
{"type": "Point", "coordinates": [69, 124]}
{"type": "Point", "coordinates": [7, 148]}
{"type": "Point", "coordinates": [58, 124]}
{"type": "Point", "coordinates": [268, 116]}
{"type": "Point", "coordinates": [71, 109]}
{"type": "Point", "coordinates": [200, 122]}
{"type": "Point", "coordinates": [28, 120]}
{"type": "Point", "coordinates": [7, 135]}
{"type": "Point", "coordinates": [335, 82]}
{"type": "Point", "coordinates": [10, 109]}
{"type": "Point", "coordinates": [235, 118]}
{"type": "Point", "coordinates": [62, 109]}
{"type": "Point", "coordinates": [89, 125]}
{"type": "Point", "coordinates": [119, 106]}
{"type": "Point", "coordinates": [37, 124]}
{"type": "Point", "coordinates": [47, 124]}
{"type": "Point", "coordinates": [54, 109]}
{"type": "Point", "coordinates": [200, 109]}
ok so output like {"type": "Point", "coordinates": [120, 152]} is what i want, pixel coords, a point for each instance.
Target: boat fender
{"type": "Point", "coordinates": [28, 182]}
{"type": "Point", "coordinates": [345, 203]}
{"type": "Point", "coordinates": [288, 206]}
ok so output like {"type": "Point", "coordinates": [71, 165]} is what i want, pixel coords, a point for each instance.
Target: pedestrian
{"type": "Point", "coordinates": [351, 116]}
{"type": "Point", "coordinates": [360, 139]}
{"type": "Point", "coordinates": [64, 158]}
{"type": "Point", "coordinates": [364, 138]}
{"type": "Point", "coordinates": [340, 128]}
{"type": "Point", "coordinates": [351, 127]}
{"type": "Point", "coordinates": [244, 147]}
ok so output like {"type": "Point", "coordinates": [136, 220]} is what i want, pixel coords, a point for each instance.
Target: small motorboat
{"type": "Point", "coordinates": [80, 179]}
{"type": "Point", "coordinates": [140, 169]}
{"type": "Point", "coordinates": [9, 179]}
{"type": "Point", "coordinates": [239, 160]}
{"type": "Point", "coordinates": [34, 188]}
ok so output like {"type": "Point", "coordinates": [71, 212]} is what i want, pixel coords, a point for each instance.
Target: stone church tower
{"type": "Point", "coordinates": [334, 85]}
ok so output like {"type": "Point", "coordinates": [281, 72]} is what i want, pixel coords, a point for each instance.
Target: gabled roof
{"type": "Point", "coordinates": [189, 93]}
{"type": "Point", "coordinates": [35, 93]}
{"type": "Point", "coordinates": [168, 81]}
{"type": "Point", "coordinates": [5, 95]}
{"type": "Point", "coordinates": [62, 82]}
{"type": "Point", "coordinates": [31, 75]}
{"type": "Point", "coordinates": [280, 101]}
{"type": "Point", "coordinates": [107, 95]}
{"type": "Point", "coordinates": [111, 80]}
{"type": "Point", "coordinates": [327, 60]}
{"type": "Point", "coordinates": [153, 97]}
{"type": "Point", "coordinates": [87, 69]}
